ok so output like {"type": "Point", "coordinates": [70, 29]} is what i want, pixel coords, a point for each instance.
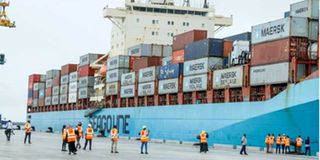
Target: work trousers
{"type": "Point", "coordinates": [287, 149]}
{"type": "Point", "coordinates": [78, 145]}
{"type": "Point", "coordinates": [28, 135]}
{"type": "Point", "coordinates": [278, 149]}
{"type": "Point", "coordinates": [283, 148]}
{"type": "Point", "coordinates": [114, 146]}
{"type": "Point", "coordinates": [270, 148]}
{"type": "Point", "coordinates": [243, 149]}
{"type": "Point", "coordinates": [308, 151]}
{"type": "Point", "coordinates": [267, 148]}
{"type": "Point", "coordinates": [145, 145]}
{"type": "Point", "coordinates": [299, 150]}
{"type": "Point", "coordinates": [64, 145]}
{"type": "Point", "coordinates": [8, 134]}
{"type": "Point", "coordinates": [72, 147]}
{"type": "Point", "coordinates": [90, 144]}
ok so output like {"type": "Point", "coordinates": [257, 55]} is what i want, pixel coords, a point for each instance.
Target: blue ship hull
{"type": "Point", "coordinates": [294, 112]}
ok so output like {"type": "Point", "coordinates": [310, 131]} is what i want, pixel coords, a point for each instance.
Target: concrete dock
{"type": "Point", "coordinates": [47, 146]}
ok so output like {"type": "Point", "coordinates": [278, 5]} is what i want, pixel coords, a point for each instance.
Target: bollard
{"type": "Point", "coordinates": [164, 141]}
{"type": "Point", "coordinates": [234, 147]}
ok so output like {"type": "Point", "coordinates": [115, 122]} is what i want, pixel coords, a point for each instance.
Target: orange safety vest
{"type": "Point", "coordinates": [114, 135]}
{"type": "Point", "coordinates": [299, 142]}
{"type": "Point", "coordinates": [89, 134]}
{"type": "Point", "coordinates": [79, 131]}
{"type": "Point", "coordinates": [283, 140]}
{"type": "Point", "coordinates": [64, 134]}
{"type": "Point", "coordinates": [267, 140]}
{"type": "Point", "coordinates": [287, 142]}
{"type": "Point", "coordinates": [271, 140]}
{"type": "Point", "coordinates": [203, 138]}
{"type": "Point", "coordinates": [71, 135]}
{"type": "Point", "coordinates": [278, 140]}
{"type": "Point", "coordinates": [144, 136]}
{"type": "Point", "coordinates": [28, 128]}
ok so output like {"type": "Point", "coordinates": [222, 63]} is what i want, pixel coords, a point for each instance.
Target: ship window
{"type": "Point", "coordinates": [187, 24]}
{"type": "Point", "coordinates": [171, 34]}
{"type": "Point", "coordinates": [152, 33]}
{"type": "Point", "coordinates": [168, 22]}
{"type": "Point", "coordinates": [172, 23]}
{"type": "Point", "coordinates": [163, 10]}
{"type": "Point", "coordinates": [198, 13]}
{"type": "Point", "coordinates": [184, 23]}
{"type": "Point", "coordinates": [149, 9]}
{"type": "Point", "coordinates": [153, 21]}
{"type": "Point", "coordinates": [112, 47]}
{"type": "Point", "coordinates": [157, 10]}
{"type": "Point", "coordinates": [191, 12]}
{"type": "Point", "coordinates": [170, 11]}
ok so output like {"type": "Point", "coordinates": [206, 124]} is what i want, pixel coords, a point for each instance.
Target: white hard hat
{"type": "Point", "coordinates": [89, 125]}
{"type": "Point", "coordinates": [143, 127]}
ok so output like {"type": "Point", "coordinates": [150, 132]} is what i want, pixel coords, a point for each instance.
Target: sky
{"type": "Point", "coordinates": [51, 33]}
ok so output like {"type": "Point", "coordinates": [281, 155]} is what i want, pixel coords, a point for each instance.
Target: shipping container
{"type": "Point", "coordinates": [262, 75]}
{"type": "Point", "coordinates": [29, 103]}
{"type": "Point", "coordinates": [227, 48]}
{"type": "Point", "coordinates": [313, 30]}
{"type": "Point", "coordinates": [34, 78]}
{"type": "Point", "coordinates": [35, 94]}
{"type": "Point", "coordinates": [86, 82]}
{"type": "Point", "coordinates": [115, 75]}
{"type": "Point", "coordinates": [148, 74]}
{"type": "Point", "coordinates": [64, 89]}
{"type": "Point", "coordinates": [167, 50]}
{"type": "Point", "coordinates": [180, 40]}
{"type": "Point", "coordinates": [41, 93]}
{"type": "Point", "coordinates": [84, 93]}
{"type": "Point", "coordinates": [280, 29]}
{"type": "Point", "coordinates": [127, 91]}
{"type": "Point", "coordinates": [73, 86]}
{"type": "Point", "coordinates": [88, 59]}
{"type": "Point", "coordinates": [238, 48]}
{"type": "Point", "coordinates": [313, 51]}
{"type": "Point", "coordinates": [68, 68]}
{"type": "Point", "coordinates": [166, 60]}
{"type": "Point", "coordinates": [48, 83]}
{"type": "Point", "coordinates": [168, 86]}
{"type": "Point", "coordinates": [56, 79]}
{"type": "Point", "coordinates": [120, 61]}
{"type": "Point", "coordinates": [63, 99]}
{"type": "Point", "coordinates": [112, 88]}
{"type": "Point", "coordinates": [42, 78]}
{"type": "Point", "coordinates": [170, 71]}
{"type": "Point", "coordinates": [306, 8]}
{"type": "Point", "coordinates": [30, 93]}
{"type": "Point", "coordinates": [211, 47]}
{"type": "Point", "coordinates": [128, 79]}
{"type": "Point", "coordinates": [52, 73]}
{"type": "Point", "coordinates": [286, 14]}
{"type": "Point", "coordinates": [73, 77]}
{"type": "Point", "coordinates": [228, 78]}
{"type": "Point", "coordinates": [246, 36]}
{"type": "Point", "coordinates": [178, 56]}
{"type": "Point", "coordinates": [49, 92]}
{"type": "Point", "coordinates": [64, 79]}
{"type": "Point", "coordinates": [41, 102]}
{"type": "Point", "coordinates": [38, 86]}
{"type": "Point", "coordinates": [84, 71]}
{"type": "Point", "coordinates": [146, 89]}
{"type": "Point", "coordinates": [55, 90]}
{"type": "Point", "coordinates": [202, 65]}
{"type": "Point", "coordinates": [279, 51]}
{"type": "Point", "coordinates": [195, 83]}
{"type": "Point", "coordinates": [55, 100]}
{"type": "Point", "coordinates": [35, 103]}
{"type": "Point", "coordinates": [72, 97]}
{"type": "Point", "coordinates": [48, 101]}
{"type": "Point", "coordinates": [149, 50]}
{"type": "Point", "coordinates": [145, 62]}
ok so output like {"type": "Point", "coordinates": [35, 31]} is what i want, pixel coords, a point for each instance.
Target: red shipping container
{"type": "Point", "coordinates": [132, 60]}
{"type": "Point", "coordinates": [29, 101]}
{"type": "Point", "coordinates": [227, 48]}
{"type": "Point", "coordinates": [68, 68]}
{"type": "Point", "coordinates": [279, 51]}
{"type": "Point", "coordinates": [56, 81]}
{"type": "Point", "coordinates": [34, 78]}
{"type": "Point", "coordinates": [35, 94]}
{"type": "Point", "coordinates": [41, 102]}
{"type": "Point", "coordinates": [180, 40]}
{"type": "Point", "coordinates": [85, 71]}
{"type": "Point", "coordinates": [178, 57]}
{"type": "Point", "coordinates": [49, 92]}
{"type": "Point", "coordinates": [30, 85]}
{"type": "Point", "coordinates": [145, 62]}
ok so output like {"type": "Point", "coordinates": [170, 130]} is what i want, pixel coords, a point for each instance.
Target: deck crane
{"type": "Point", "coordinates": [4, 20]}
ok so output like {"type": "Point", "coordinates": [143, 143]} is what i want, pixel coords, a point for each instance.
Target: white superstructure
{"type": "Point", "coordinates": [156, 21]}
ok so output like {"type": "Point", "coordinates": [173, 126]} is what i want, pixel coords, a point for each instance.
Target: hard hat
{"type": "Point", "coordinates": [203, 132]}
{"type": "Point", "coordinates": [143, 127]}
{"type": "Point", "coordinates": [89, 125]}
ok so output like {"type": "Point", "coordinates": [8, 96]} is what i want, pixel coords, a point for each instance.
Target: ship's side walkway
{"type": "Point", "coordinates": [47, 146]}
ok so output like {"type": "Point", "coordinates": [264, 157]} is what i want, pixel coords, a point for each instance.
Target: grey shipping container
{"type": "Point", "coordinates": [73, 77]}
{"type": "Point", "coordinates": [166, 60]}
{"type": "Point", "coordinates": [73, 87]}
{"type": "Point", "coordinates": [201, 66]}
{"type": "Point", "coordinates": [127, 91]}
{"type": "Point", "coordinates": [84, 93]}
{"type": "Point", "coordinates": [86, 82]}
{"type": "Point", "coordinates": [42, 78]}
{"type": "Point", "coordinates": [168, 86]}
{"type": "Point", "coordinates": [48, 83]}
{"type": "Point", "coordinates": [148, 74]}
{"type": "Point", "coordinates": [64, 79]}
{"type": "Point", "coordinates": [246, 36]}
{"type": "Point", "coordinates": [47, 101]}
{"type": "Point", "coordinates": [306, 8]}
{"type": "Point", "coordinates": [121, 61]}
{"type": "Point", "coordinates": [52, 73]}
{"type": "Point", "coordinates": [195, 83]}
{"type": "Point", "coordinates": [64, 89]}
{"type": "Point", "coordinates": [228, 78]}
{"type": "Point", "coordinates": [112, 88]}
{"type": "Point", "coordinates": [72, 97]}
{"type": "Point", "coordinates": [55, 90]}
{"type": "Point", "coordinates": [35, 102]}
{"type": "Point", "coordinates": [205, 48]}
{"type": "Point", "coordinates": [115, 75]}
{"type": "Point", "coordinates": [55, 100]}
{"type": "Point", "coordinates": [64, 99]}
{"type": "Point", "coordinates": [149, 50]}
{"type": "Point", "coordinates": [146, 89]}
{"type": "Point", "coordinates": [38, 86]}
{"type": "Point", "coordinates": [128, 78]}
{"type": "Point", "coordinates": [88, 59]}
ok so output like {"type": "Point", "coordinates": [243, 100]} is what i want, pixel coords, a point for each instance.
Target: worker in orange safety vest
{"type": "Point", "coordinates": [71, 139]}
{"type": "Point", "coordinates": [287, 145]}
{"type": "Point", "coordinates": [79, 133]}
{"type": "Point", "coordinates": [64, 138]}
{"type": "Point", "coordinates": [266, 141]}
{"type": "Point", "coordinates": [28, 129]}
{"type": "Point", "coordinates": [114, 136]}
{"type": "Point", "coordinates": [278, 143]}
{"type": "Point", "coordinates": [283, 143]}
{"type": "Point", "coordinates": [144, 138]}
{"type": "Point", "coordinates": [88, 137]}
{"type": "Point", "coordinates": [271, 143]}
{"type": "Point", "coordinates": [299, 142]}
{"type": "Point", "coordinates": [203, 141]}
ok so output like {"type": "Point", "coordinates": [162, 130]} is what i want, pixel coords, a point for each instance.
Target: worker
{"type": "Point", "coordinates": [64, 138]}
{"type": "Point", "coordinates": [71, 139]}
{"type": "Point", "coordinates": [9, 130]}
{"type": "Point", "coordinates": [244, 143]}
{"type": "Point", "coordinates": [283, 143]}
{"type": "Point", "coordinates": [299, 144]}
{"type": "Point", "coordinates": [307, 147]}
{"type": "Point", "coordinates": [287, 145]}
{"type": "Point", "coordinates": [88, 137]}
{"type": "Point", "coordinates": [278, 143]}
{"type": "Point", "coordinates": [28, 130]}
{"type": "Point", "coordinates": [266, 141]}
{"type": "Point", "coordinates": [79, 133]}
{"type": "Point", "coordinates": [114, 135]}
{"type": "Point", "coordinates": [144, 138]}
{"type": "Point", "coordinates": [203, 141]}
{"type": "Point", "coordinates": [271, 143]}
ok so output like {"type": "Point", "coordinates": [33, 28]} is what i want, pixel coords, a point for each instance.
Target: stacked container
{"type": "Point", "coordinates": [150, 50]}
{"type": "Point", "coordinates": [147, 78]}
{"type": "Point", "coordinates": [54, 76]}
{"type": "Point", "coordinates": [73, 87]}
{"type": "Point", "coordinates": [144, 62]}
{"type": "Point", "coordinates": [169, 78]}
{"type": "Point", "coordinates": [65, 87]}
{"type": "Point", "coordinates": [128, 87]}
{"type": "Point", "coordinates": [34, 78]}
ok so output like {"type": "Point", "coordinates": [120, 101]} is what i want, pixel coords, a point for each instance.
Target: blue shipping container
{"type": "Point", "coordinates": [30, 93]}
{"type": "Point", "coordinates": [287, 14]}
{"type": "Point", "coordinates": [170, 71]}
{"type": "Point", "coordinates": [246, 36]}
{"type": "Point", "coordinates": [225, 62]}
{"type": "Point", "coordinates": [41, 93]}
{"type": "Point", "coordinates": [205, 48]}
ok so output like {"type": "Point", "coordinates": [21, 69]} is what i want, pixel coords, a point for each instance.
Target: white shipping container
{"type": "Point", "coordinates": [34, 102]}
{"type": "Point", "coordinates": [36, 86]}
{"type": "Point", "coordinates": [64, 79]}
{"type": "Point", "coordinates": [115, 75]}
{"type": "Point", "coordinates": [146, 89]}
{"type": "Point", "coordinates": [55, 100]}
{"type": "Point", "coordinates": [195, 83]}
{"type": "Point", "coordinates": [238, 48]}
{"type": "Point", "coordinates": [72, 97]}
{"type": "Point", "coordinates": [128, 78]}
{"type": "Point", "coordinates": [169, 86]}
{"type": "Point", "coordinates": [200, 66]}
{"type": "Point", "coordinates": [231, 78]}
{"type": "Point", "coordinates": [73, 87]}
{"type": "Point", "coordinates": [148, 74]}
{"type": "Point", "coordinates": [84, 93]}
{"type": "Point", "coordinates": [73, 77]}
{"type": "Point", "coordinates": [112, 88]}
{"type": "Point", "coordinates": [269, 74]}
{"type": "Point", "coordinates": [87, 59]}
{"type": "Point", "coordinates": [55, 90]}
{"type": "Point", "coordinates": [64, 89]}
{"type": "Point", "coordinates": [47, 101]}
{"type": "Point", "coordinates": [306, 8]}
{"type": "Point", "coordinates": [127, 91]}
{"type": "Point", "coordinates": [64, 99]}
{"type": "Point", "coordinates": [86, 82]}
{"type": "Point", "coordinates": [279, 29]}
{"type": "Point", "coordinates": [120, 61]}
{"type": "Point", "coordinates": [48, 83]}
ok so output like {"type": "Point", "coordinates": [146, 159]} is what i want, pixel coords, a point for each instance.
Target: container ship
{"type": "Point", "coordinates": [166, 70]}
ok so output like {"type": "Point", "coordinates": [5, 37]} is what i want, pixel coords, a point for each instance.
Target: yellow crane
{"type": "Point", "coordinates": [4, 20]}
